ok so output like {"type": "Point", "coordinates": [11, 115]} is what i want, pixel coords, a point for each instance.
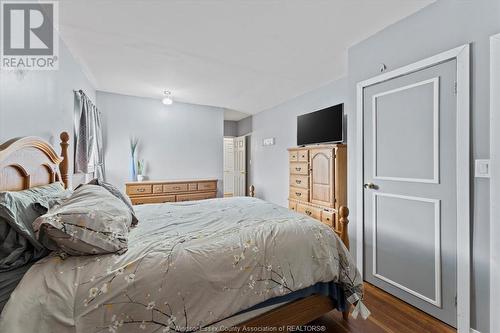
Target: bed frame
{"type": "Point", "coordinates": [30, 161]}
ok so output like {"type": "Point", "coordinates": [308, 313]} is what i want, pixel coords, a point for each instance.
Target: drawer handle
{"type": "Point", "coordinates": [177, 188]}
{"type": "Point", "coordinates": [298, 181]}
{"type": "Point", "coordinates": [308, 212]}
{"type": "Point", "coordinates": [298, 169]}
{"type": "Point", "coordinates": [298, 194]}
{"type": "Point", "coordinates": [141, 190]}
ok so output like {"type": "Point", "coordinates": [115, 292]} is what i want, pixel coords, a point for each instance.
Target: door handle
{"type": "Point", "coordinates": [371, 186]}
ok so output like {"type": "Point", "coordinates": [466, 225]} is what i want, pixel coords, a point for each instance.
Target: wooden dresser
{"type": "Point", "coordinates": [171, 190]}
{"type": "Point", "coordinates": [318, 181]}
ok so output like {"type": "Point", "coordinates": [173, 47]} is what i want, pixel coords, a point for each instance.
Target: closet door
{"type": "Point", "coordinates": [240, 175]}
{"type": "Point", "coordinates": [228, 167]}
{"type": "Point", "coordinates": [410, 181]}
{"type": "Point", "coordinates": [322, 180]}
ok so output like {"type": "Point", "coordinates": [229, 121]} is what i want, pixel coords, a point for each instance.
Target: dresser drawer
{"type": "Point", "coordinates": [292, 205]}
{"type": "Point", "coordinates": [303, 155]}
{"type": "Point", "coordinates": [155, 199]}
{"type": "Point", "coordinates": [157, 188]}
{"type": "Point", "coordinates": [176, 187]}
{"type": "Point", "coordinates": [192, 186]}
{"type": "Point", "coordinates": [195, 196]}
{"type": "Point", "coordinates": [139, 189]}
{"type": "Point", "coordinates": [299, 181]}
{"type": "Point", "coordinates": [313, 212]}
{"type": "Point", "coordinates": [299, 168]}
{"type": "Point", "coordinates": [207, 186]}
{"type": "Point", "coordinates": [293, 155]}
{"type": "Point", "coordinates": [299, 193]}
{"type": "Point", "coordinates": [328, 218]}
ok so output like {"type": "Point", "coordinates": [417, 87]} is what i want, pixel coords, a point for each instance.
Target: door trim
{"type": "Point", "coordinates": [462, 56]}
{"type": "Point", "coordinates": [494, 184]}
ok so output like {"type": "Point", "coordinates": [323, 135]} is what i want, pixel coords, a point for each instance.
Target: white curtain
{"type": "Point", "coordinates": [89, 153]}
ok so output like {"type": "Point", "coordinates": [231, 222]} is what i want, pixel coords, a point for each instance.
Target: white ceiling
{"type": "Point", "coordinates": [246, 56]}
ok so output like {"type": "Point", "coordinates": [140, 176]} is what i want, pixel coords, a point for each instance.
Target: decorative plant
{"type": "Point", "coordinates": [140, 167]}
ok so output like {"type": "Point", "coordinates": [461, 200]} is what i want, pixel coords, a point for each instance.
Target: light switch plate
{"type": "Point", "coordinates": [268, 142]}
{"type": "Point", "coordinates": [482, 169]}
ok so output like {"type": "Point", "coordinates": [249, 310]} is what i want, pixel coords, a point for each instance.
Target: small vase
{"type": "Point", "coordinates": [140, 178]}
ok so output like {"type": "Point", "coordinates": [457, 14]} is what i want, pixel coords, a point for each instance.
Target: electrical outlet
{"type": "Point", "coordinates": [482, 168]}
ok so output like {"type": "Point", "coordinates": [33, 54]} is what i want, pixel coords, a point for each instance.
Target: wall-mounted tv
{"type": "Point", "coordinates": [321, 126]}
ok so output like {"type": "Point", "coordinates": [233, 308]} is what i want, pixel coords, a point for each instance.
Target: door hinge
{"type": "Point", "coordinates": [456, 88]}
{"type": "Point", "coordinates": [456, 302]}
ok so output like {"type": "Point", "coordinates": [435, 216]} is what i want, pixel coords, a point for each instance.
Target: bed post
{"type": "Point", "coordinates": [344, 221]}
{"type": "Point", "coordinates": [63, 167]}
{"type": "Point", "coordinates": [344, 236]}
{"type": "Point", "coordinates": [252, 191]}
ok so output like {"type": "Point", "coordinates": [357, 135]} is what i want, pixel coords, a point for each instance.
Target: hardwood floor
{"type": "Point", "coordinates": [388, 314]}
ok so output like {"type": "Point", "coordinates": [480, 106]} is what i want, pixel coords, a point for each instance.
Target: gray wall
{"type": "Point", "coordinates": [230, 128]}
{"type": "Point", "coordinates": [177, 142]}
{"type": "Point", "coordinates": [41, 103]}
{"type": "Point", "coordinates": [269, 164]}
{"type": "Point", "coordinates": [441, 26]}
{"type": "Point", "coordinates": [245, 126]}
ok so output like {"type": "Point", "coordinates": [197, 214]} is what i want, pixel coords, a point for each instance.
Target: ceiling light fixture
{"type": "Point", "coordinates": [167, 100]}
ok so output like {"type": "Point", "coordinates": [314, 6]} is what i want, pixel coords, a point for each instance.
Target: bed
{"type": "Point", "coordinates": [205, 265]}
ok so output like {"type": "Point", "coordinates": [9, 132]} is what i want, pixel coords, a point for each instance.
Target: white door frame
{"type": "Point", "coordinates": [462, 56]}
{"type": "Point", "coordinates": [494, 184]}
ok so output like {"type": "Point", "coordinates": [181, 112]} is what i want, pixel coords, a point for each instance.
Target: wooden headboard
{"type": "Point", "coordinates": [30, 161]}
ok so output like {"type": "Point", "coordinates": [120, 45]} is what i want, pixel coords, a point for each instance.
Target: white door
{"type": "Point", "coordinates": [228, 167]}
{"type": "Point", "coordinates": [410, 177]}
{"type": "Point", "coordinates": [240, 168]}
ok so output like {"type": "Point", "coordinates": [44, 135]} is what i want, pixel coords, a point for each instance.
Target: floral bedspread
{"type": "Point", "coordinates": [188, 265]}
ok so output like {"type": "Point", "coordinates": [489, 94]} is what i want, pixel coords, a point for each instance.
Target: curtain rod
{"type": "Point", "coordinates": [80, 91]}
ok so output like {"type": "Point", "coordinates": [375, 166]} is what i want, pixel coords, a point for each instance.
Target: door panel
{"type": "Point", "coordinates": [410, 210]}
{"type": "Point", "coordinates": [322, 176]}
{"type": "Point", "coordinates": [398, 218]}
{"type": "Point", "coordinates": [414, 157]}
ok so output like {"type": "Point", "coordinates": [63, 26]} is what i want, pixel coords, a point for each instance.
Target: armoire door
{"type": "Point", "coordinates": [410, 196]}
{"type": "Point", "coordinates": [322, 180]}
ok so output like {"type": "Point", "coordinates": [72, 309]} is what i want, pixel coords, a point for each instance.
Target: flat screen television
{"type": "Point", "coordinates": [321, 126]}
